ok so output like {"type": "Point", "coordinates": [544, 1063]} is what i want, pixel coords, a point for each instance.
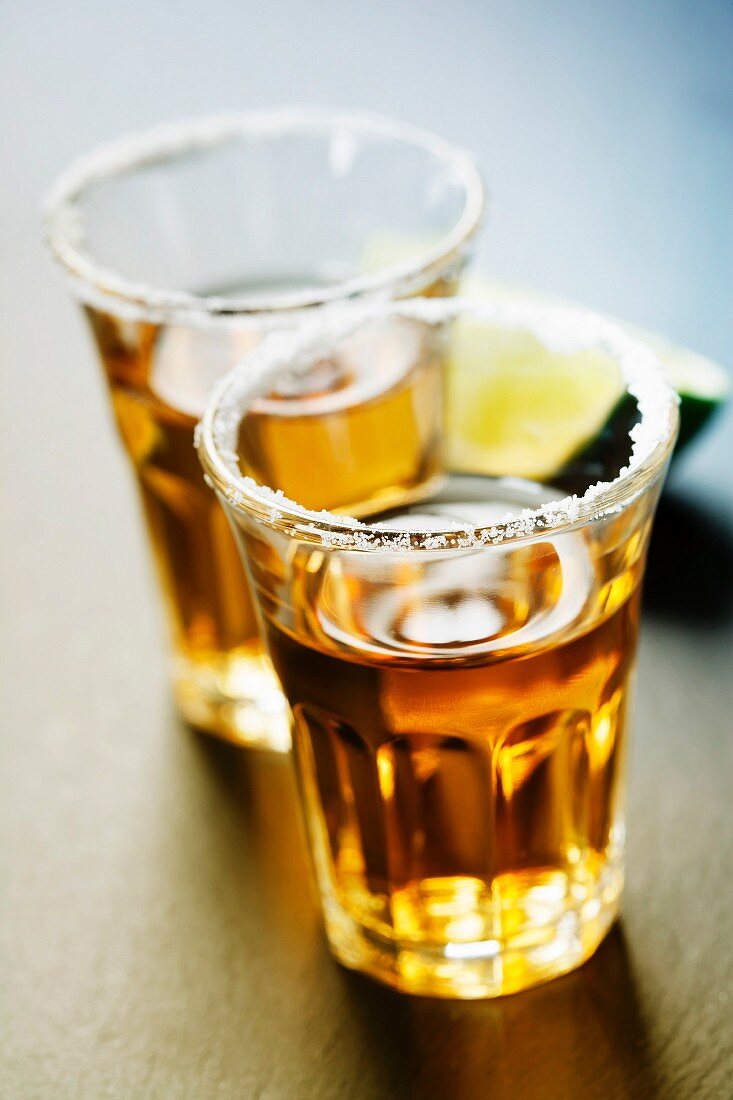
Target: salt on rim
{"type": "Point", "coordinates": [561, 329]}
{"type": "Point", "coordinates": [94, 284]}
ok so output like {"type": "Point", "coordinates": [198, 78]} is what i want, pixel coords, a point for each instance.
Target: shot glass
{"type": "Point", "coordinates": [184, 244]}
{"type": "Point", "coordinates": [459, 665]}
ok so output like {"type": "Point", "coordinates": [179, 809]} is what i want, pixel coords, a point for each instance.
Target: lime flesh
{"type": "Point", "coordinates": [703, 385]}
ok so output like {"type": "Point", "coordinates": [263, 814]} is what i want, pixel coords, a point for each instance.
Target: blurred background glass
{"type": "Point", "coordinates": [184, 245]}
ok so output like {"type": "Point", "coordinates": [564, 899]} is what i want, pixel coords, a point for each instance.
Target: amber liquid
{"type": "Point", "coordinates": [328, 447]}
{"type": "Point", "coordinates": [460, 729]}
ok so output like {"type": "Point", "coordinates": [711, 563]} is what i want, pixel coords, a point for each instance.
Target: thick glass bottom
{"type": "Point", "coordinates": [550, 937]}
{"type": "Point", "coordinates": [233, 695]}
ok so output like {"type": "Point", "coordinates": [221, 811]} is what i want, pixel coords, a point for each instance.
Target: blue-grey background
{"type": "Point", "coordinates": [604, 128]}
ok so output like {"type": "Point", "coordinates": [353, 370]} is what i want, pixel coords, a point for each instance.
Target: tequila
{"type": "Point", "coordinates": [460, 738]}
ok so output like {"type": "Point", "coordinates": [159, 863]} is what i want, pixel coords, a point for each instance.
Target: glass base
{"type": "Point", "coordinates": [537, 951]}
{"type": "Point", "coordinates": [235, 696]}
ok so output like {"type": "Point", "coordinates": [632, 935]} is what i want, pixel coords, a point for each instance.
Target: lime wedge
{"type": "Point", "coordinates": [576, 411]}
{"type": "Point", "coordinates": [702, 384]}
{"type": "Point", "coordinates": [514, 409]}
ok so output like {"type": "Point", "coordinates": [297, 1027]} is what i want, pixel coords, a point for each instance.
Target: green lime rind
{"type": "Point", "coordinates": [695, 413]}
{"type": "Point", "coordinates": [605, 454]}
{"type": "Point", "coordinates": [703, 385]}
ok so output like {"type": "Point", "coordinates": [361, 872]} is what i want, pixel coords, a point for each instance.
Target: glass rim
{"type": "Point", "coordinates": [559, 328]}
{"type": "Point", "coordinates": [96, 284]}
